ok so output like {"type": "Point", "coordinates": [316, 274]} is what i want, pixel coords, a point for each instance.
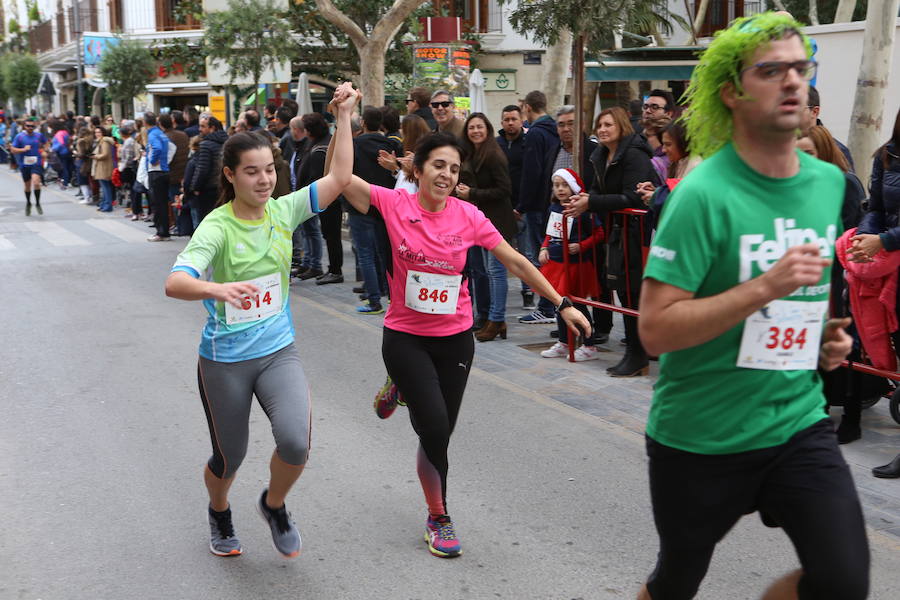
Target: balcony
{"type": "Point", "coordinates": [40, 37]}
{"type": "Point", "coordinates": [721, 12]}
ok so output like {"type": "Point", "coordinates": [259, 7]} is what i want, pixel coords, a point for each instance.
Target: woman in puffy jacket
{"type": "Point", "coordinates": [621, 161]}
{"type": "Point", "coordinates": [880, 229]}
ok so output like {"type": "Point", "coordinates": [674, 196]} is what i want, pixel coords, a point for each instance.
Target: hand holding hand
{"type": "Point", "coordinates": [645, 190]}
{"type": "Point", "coordinates": [800, 265]}
{"type": "Point", "coordinates": [836, 344]}
{"type": "Point", "coordinates": [865, 246]}
{"type": "Point", "coordinates": [233, 292]}
{"type": "Point", "coordinates": [576, 206]}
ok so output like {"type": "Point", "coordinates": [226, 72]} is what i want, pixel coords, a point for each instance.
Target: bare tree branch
{"type": "Point", "coordinates": [343, 22]}
{"type": "Point", "coordinates": [844, 12]}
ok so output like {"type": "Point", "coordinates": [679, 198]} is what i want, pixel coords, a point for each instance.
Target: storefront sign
{"type": "Point", "coordinates": [217, 107]}
{"type": "Point", "coordinates": [499, 82]}
{"type": "Point", "coordinates": [93, 47]}
{"type": "Point", "coordinates": [446, 65]}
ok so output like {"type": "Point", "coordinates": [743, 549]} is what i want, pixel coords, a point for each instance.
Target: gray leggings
{"type": "Point", "coordinates": [227, 390]}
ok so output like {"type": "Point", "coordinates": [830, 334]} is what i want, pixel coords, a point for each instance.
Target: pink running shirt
{"type": "Point", "coordinates": [430, 242]}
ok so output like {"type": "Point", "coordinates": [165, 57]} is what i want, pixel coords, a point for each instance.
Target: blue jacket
{"type": "Point", "coordinates": [540, 141]}
{"type": "Point", "coordinates": [159, 149]}
{"type": "Point", "coordinates": [884, 200]}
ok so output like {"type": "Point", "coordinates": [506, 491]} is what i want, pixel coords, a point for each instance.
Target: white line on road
{"type": "Point", "coordinates": [57, 235]}
{"type": "Point", "coordinates": [120, 230]}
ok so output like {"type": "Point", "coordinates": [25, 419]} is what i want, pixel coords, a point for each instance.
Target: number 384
{"type": "Point", "coordinates": [433, 295]}
{"type": "Point", "coordinates": [786, 339]}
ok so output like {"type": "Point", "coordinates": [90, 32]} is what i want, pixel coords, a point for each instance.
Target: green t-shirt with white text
{"type": "Point", "coordinates": [723, 225]}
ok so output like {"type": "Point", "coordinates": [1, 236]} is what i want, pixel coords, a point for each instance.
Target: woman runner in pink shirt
{"type": "Point", "coordinates": [427, 345]}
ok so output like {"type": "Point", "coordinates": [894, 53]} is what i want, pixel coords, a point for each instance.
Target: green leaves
{"type": "Point", "coordinates": [250, 37]}
{"type": "Point", "coordinates": [127, 67]}
{"type": "Point", "coordinates": [21, 76]}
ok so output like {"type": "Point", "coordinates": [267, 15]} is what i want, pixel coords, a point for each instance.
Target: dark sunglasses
{"type": "Point", "coordinates": [443, 104]}
{"type": "Point", "coordinates": [408, 100]}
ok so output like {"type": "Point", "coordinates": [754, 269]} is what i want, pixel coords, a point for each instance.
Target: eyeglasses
{"type": "Point", "coordinates": [653, 107]}
{"type": "Point", "coordinates": [443, 104]}
{"type": "Point", "coordinates": [778, 70]}
{"type": "Point", "coordinates": [408, 100]}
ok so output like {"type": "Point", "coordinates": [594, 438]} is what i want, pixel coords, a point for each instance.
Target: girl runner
{"type": "Point", "coordinates": [427, 344]}
{"type": "Point", "coordinates": [244, 248]}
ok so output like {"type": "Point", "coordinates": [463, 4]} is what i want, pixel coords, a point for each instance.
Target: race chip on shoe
{"type": "Point", "coordinates": [259, 306]}
{"type": "Point", "coordinates": [783, 336]}
{"type": "Point", "coordinates": [432, 293]}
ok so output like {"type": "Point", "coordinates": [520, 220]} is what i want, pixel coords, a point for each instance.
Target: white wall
{"type": "Point", "coordinates": [138, 16]}
{"type": "Point", "coordinates": [839, 55]}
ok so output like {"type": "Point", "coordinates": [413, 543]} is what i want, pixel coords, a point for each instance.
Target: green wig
{"type": "Point", "coordinates": [707, 120]}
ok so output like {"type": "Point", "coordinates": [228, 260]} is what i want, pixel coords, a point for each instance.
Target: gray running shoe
{"type": "Point", "coordinates": [285, 535]}
{"type": "Point", "coordinates": [222, 541]}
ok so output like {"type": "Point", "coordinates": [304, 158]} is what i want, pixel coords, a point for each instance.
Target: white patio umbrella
{"type": "Point", "coordinates": [476, 92]}
{"type": "Point", "coordinates": [303, 98]}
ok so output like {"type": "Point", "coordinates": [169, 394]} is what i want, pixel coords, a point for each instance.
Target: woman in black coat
{"type": "Point", "coordinates": [620, 162]}
{"type": "Point", "coordinates": [484, 181]}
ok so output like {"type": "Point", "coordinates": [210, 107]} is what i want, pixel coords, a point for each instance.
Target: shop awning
{"type": "Point", "coordinates": [639, 71]}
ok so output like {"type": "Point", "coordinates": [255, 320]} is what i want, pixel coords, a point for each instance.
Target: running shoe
{"type": "Point", "coordinates": [38, 208]}
{"type": "Point", "coordinates": [158, 238]}
{"type": "Point", "coordinates": [586, 353]}
{"type": "Point", "coordinates": [285, 535]}
{"type": "Point", "coordinates": [28, 210]}
{"type": "Point", "coordinates": [370, 309]}
{"type": "Point", "coordinates": [557, 350]}
{"type": "Point", "coordinates": [441, 538]}
{"type": "Point", "coordinates": [536, 317]}
{"type": "Point", "coordinates": [387, 399]}
{"type": "Point", "coordinates": [222, 540]}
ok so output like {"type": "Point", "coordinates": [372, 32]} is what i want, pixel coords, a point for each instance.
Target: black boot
{"type": "Point", "coordinates": [635, 361]}
{"type": "Point", "coordinates": [888, 471]}
{"type": "Point", "coordinates": [849, 430]}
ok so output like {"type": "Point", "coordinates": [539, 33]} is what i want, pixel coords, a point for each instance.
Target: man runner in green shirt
{"type": "Point", "coordinates": [734, 299]}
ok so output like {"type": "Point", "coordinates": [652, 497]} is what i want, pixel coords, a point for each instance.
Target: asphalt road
{"type": "Point", "coordinates": [103, 441]}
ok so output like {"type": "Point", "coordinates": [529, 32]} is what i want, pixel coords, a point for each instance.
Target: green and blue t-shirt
{"type": "Point", "coordinates": [227, 249]}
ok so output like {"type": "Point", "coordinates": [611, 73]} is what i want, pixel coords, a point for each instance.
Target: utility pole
{"type": "Point", "coordinates": [76, 29]}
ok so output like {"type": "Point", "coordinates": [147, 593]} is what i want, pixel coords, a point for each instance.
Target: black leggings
{"type": "Point", "coordinates": [431, 374]}
{"type": "Point", "coordinates": [803, 486]}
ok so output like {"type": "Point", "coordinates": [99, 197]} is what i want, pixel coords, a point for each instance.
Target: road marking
{"type": "Point", "coordinates": [117, 229]}
{"type": "Point", "coordinates": [5, 244]}
{"type": "Point", "coordinates": [57, 235]}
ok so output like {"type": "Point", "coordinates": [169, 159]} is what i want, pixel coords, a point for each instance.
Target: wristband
{"type": "Point", "coordinates": [564, 304]}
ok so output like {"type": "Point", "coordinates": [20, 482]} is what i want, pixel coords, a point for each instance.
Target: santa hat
{"type": "Point", "coordinates": [572, 178]}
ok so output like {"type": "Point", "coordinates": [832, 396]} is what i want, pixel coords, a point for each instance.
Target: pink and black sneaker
{"type": "Point", "coordinates": [387, 399]}
{"type": "Point", "coordinates": [441, 538]}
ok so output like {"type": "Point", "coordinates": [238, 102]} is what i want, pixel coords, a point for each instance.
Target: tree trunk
{"type": "Point", "coordinates": [371, 60]}
{"type": "Point", "coordinates": [556, 70]}
{"type": "Point", "coordinates": [844, 12]}
{"type": "Point", "coordinates": [813, 12]}
{"type": "Point", "coordinates": [578, 101]}
{"type": "Point", "coordinates": [872, 82]}
{"type": "Point", "coordinates": [779, 5]}
{"type": "Point", "coordinates": [371, 66]}
{"type": "Point", "coordinates": [700, 17]}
